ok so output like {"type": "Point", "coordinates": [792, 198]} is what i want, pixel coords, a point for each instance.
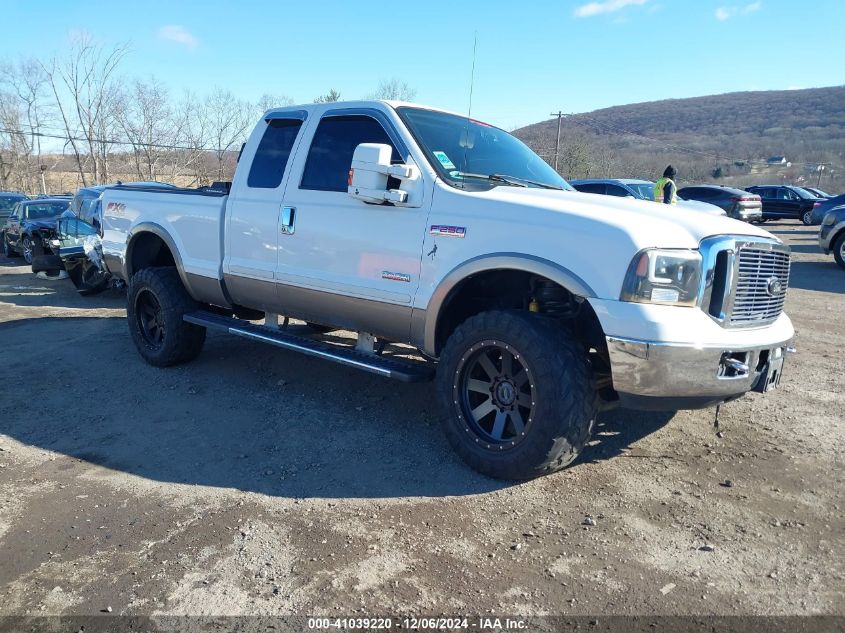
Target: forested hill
{"type": "Point", "coordinates": [806, 126]}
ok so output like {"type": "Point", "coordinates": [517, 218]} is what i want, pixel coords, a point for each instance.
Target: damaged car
{"type": "Point", "coordinates": [74, 247]}
{"type": "Point", "coordinates": [31, 226]}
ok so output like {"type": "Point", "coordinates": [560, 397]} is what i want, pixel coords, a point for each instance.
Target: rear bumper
{"type": "Point", "coordinates": [671, 376]}
{"type": "Point", "coordinates": [749, 214]}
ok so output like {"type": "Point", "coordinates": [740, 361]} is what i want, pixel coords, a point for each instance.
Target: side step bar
{"type": "Point", "coordinates": [406, 371]}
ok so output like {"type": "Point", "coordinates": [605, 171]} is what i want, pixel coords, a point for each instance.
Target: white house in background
{"type": "Point", "coordinates": [777, 161]}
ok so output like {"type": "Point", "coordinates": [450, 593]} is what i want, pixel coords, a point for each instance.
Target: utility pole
{"type": "Point", "coordinates": [559, 116]}
{"type": "Point", "coordinates": [820, 168]}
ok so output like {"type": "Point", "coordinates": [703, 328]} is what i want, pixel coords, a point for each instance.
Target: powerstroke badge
{"type": "Point", "coordinates": [448, 231]}
{"type": "Point", "coordinates": [386, 274]}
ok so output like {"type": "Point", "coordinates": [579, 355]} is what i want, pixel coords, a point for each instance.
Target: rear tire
{"type": "Point", "coordinates": [839, 250]}
{"type": "Point", "coordinates": [518, 393]}
{"type": "Point", "coordinates": [156, 302]}
{"type": "Point", "coordinates": [807, 218]}
{"type": "Point", "coordinates": [46, 263]}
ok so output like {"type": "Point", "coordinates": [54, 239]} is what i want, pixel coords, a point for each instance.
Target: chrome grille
{"type": "Point", "coordinates": [761, 279]}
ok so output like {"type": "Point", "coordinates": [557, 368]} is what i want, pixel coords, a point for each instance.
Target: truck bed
{"type": "Point", "coordinates": [192, 218]}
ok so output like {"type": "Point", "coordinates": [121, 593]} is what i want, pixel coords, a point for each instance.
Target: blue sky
{"type": "Point", "coordinates": [532, 58]}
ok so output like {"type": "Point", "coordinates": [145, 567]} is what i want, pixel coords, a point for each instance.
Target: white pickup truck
{"type": "Point", "coordinates": [532, 305]}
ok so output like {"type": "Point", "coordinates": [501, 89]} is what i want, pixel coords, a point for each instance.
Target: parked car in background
{"type": "Point", "coordinates": [639, 189]}
{"type": "Point", "coordinates": [787, 202]}
{"type": "Point", "coordinates": [738, 204]}
{"type": "Point", "coordinates": [31, 222]}
{"type": "Point", "coordinates": [826, 207]}
{"type": "Point", "coordinates": [818, 192]}
{"type": "Point", "coordinates": [83, 199]}
{"type": "Point", "coordinates": [8, 199]}
{"type": "Point", "coordinates": [832, 234]}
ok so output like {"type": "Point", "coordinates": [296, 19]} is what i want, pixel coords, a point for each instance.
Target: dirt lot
{"type": "Point", "coordinates": [256, 481]}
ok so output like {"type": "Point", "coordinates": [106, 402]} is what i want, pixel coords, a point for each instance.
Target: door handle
{"type": "Point", "coordinates": [288, 220]}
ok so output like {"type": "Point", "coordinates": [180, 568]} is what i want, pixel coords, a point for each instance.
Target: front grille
{"type": "Point", "coordinates": [759, 292]}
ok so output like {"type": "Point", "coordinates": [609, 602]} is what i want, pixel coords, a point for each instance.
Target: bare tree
{"type": "Point", "coordinates": [227, 120]}
{"type": "Point", "coordinates": [22, 111]}
{"type": "Point", "coordinates": [82, 86]}
{"type": "Point", "coordinates": [330, 97]}
{"type": "Point", "coordinates": [146, 119]}
{"type": "Point", "coordinates": [268, 102]}
{"type": "Point", "coordinates": [191, 137]}
{"type": "Point", "coordinates": [393, 90]}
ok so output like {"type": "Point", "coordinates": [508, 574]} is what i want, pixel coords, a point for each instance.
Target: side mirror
{"type": "Point", "coordinates": [369, 173]}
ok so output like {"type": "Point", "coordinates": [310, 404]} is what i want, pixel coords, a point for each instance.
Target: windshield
{"type": "Point", "coordinates": [41, 210]}
{"type": "Point", "coordinates": [468, 153]}
{"type": "Point", "coordinates": [7, 202]}
{"type": "Point", "coordinates": [643, 190]}
{"type": "Point", "coordinates": [803, 193]}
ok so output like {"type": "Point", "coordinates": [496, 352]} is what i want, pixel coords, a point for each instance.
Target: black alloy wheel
{"type": "Point", "coordinates": [150, 319]}
{"type": "Point", "coordinates": [496, 394]}
{"type": "Point", "coordinates": [26, 244]}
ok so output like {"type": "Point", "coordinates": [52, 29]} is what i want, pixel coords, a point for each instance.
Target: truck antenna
{"type": "Point", "coordinates": [469, 110]}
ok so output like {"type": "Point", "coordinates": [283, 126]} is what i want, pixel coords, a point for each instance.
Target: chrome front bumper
{"type": "Point", "coordinates": [652, 375]}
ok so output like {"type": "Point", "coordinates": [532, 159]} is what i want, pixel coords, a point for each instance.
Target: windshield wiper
{"type": "Point", "coordinates": [510, 180]}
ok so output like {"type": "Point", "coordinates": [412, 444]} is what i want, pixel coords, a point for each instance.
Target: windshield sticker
{"type": "Point", "coordinates": [444, 160]}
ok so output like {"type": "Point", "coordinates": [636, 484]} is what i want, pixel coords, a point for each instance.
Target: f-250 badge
{"type": "Point", "coordinates": [444, 230]}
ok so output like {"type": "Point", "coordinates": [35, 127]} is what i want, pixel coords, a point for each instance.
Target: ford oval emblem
{"type": "Point", "coordinates": [774, 287]}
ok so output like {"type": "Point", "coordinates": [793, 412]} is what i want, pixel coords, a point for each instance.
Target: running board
{"type": "Point", "coordinates": [406, 371]}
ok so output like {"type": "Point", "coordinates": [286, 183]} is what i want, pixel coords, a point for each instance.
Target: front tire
{"type": "Point", "coordinates": [26, 246]}
{"type": "Point", "coordinates": [518, 393]}
{"type": "Point", "coordinates": [807, 218]}
{"type": "Point", "coordinates": [839, 250]}
{"type": "Point", "coordinates": [156, 302]}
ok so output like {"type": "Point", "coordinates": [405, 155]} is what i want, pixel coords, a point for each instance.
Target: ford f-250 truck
{"type": "Point", "coordinates": [537, 305]}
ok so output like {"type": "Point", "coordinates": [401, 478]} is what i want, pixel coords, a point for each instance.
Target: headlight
{"type": "Point", "coordinates": [829, 219]}
{"type": "Point", "coordinates": [669, 277]}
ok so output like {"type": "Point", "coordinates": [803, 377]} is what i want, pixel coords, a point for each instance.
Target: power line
{"type": "Point", "coordinates": [64, 137]}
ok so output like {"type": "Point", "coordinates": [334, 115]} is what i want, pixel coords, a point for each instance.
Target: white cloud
{"type": "Point", "coordinates": [726, 13]}
{"type": "Point", "coordinates": [608, 6]}
{"type": "Point", "coordinates": [178, 34]}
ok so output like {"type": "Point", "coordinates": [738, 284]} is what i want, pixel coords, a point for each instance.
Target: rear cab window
{"type": "Point", "coordinates": [274, 150]}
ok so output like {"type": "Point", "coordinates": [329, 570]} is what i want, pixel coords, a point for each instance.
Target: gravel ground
{"type": "Point", "coordinates": [257, 481]}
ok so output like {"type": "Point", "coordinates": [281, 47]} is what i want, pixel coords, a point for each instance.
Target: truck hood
{"type": "Point", "coordinates": [648, 224]}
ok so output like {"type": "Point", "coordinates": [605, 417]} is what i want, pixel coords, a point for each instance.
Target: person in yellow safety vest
{"type": "Point", "coordinates": [665, 189]}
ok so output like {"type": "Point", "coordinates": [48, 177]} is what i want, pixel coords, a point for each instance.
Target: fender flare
{"type": "Point", "coordinates": [159, 231]}
{"type": "Point", "coordinates": [496, 261]}
{"type": "Point", "coordinates": [835, 232]}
